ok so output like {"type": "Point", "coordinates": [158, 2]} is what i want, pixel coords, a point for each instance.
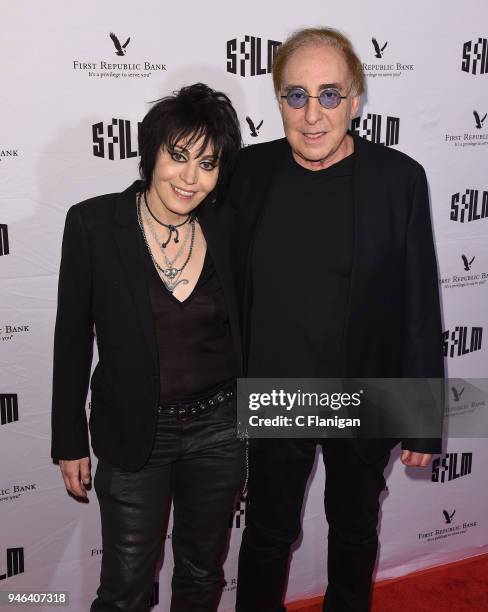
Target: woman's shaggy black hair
{"type": "Point", "coordinates": [194, 112]}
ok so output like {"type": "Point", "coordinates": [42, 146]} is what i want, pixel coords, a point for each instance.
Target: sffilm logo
{"type": "Point", "coordinates": [15, 563]}
{"type": "Point", "coordinates": [465, 207]}
{"type": "Point", "coordinates": [456, 343]}
{"type": "Point", "coordinates": [4, 248]}
{"type": "Point", "coordinates": [370, 128]}
{"type": "Point", "coordinates": [113, 139]}
{"type": "Point", "coordinates": [251, 56]}
{"type": "Point", "coordinates": [9, 408]}
{"type": "Point", "coordinates": [446, 468]}
{"type": "Point", "coordinates": [475, 56]}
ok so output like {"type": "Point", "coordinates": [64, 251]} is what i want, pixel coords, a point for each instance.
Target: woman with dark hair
{"type": "Point", "coordinates": [148, 271]}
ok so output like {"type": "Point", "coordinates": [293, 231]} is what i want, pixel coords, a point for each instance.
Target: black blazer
{"type": "Point", "coordinates": [393, 324]}
{"type": "Point", "coordinates": [102, 282]}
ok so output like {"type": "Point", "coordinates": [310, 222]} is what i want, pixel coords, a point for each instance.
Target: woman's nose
{"type": "Point", "coordinates": [189, 174]}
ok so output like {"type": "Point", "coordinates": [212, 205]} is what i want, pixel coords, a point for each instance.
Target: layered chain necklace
{"type": "Point", "coordinates": [171, 274]}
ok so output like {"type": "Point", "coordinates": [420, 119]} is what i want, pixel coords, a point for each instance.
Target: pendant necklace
{"type": "Point", "coordinates": [171, 270]}
{"type": "Point", "coordinates": [169, 275]}
{"type": "Point", "coordinates": [169, 226]}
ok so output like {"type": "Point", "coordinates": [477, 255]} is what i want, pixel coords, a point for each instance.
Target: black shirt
{"type": "Point", "coordinates": [196, 353]}
{"type": "Point", "coordinates": [301, 269]}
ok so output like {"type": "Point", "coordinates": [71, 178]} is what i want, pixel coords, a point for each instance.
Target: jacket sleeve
{"type": "Point", "coordinates": [73, 343]}
{"type": "Point", "coordinates": [422, 351]}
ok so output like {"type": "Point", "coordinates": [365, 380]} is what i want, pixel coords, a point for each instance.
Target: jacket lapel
{"type": "Point", "coordinates": [250, 216]}
{"type": "Point", "coordinates": [251, 212]}
{"type": "Point", "coordinates": [130, 249]}
{"type": "Point", "coordinates": [365, 192]}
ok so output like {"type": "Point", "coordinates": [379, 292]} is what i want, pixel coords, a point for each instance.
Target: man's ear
{"type": "Point", "coordinates": [355, 101]}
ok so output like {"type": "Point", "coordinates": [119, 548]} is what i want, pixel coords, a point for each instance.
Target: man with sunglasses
{"type": "Point", "coordinates": [337, 278]}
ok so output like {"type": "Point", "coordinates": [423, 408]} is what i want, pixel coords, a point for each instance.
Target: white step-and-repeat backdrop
{"type": "Point", "coordinates": [70, 102]}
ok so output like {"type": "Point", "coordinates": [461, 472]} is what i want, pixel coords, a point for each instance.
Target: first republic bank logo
{"type": "Point", "coordinates": [251, 55]}
{"type": "Point", "coordinates": [119, 68]}
{"type": "Point", "coordinates": [384, 68]}
{"type": "Point", "coordinates": [475, 277]}
{"type": "Point", "coordinates": [471, 138]}
{"type": "Point", "coordinates": [453, 528]}
{"type": "Point", "coordinates": [464, 399]}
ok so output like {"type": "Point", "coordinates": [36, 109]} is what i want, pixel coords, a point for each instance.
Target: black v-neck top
{"type": "Point", "coordinates": [301, 269]}
{"type": "Point", "coordinates": [196, 353]}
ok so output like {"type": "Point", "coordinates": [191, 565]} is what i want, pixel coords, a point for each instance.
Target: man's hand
{"type": "Point", "coordinates": [412, 459]}
{"type": "Point", "coordinates": [76, 475]}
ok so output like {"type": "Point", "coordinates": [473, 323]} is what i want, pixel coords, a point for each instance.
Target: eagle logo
{"type": "Point", "coordinates": [467, 264]}
{"type": "Point", "coordinates": [479, 122]}
{"type": "Point", "coordinates": [378, 51]}
{"type": "Point", "coordinates": [457, 394]}
{"type": "Point", "coordinates": [254, 129]}
{"type": "Point", "coordinates": [448, 516]}
{"type": "Point", "coordinates": [119, 49]}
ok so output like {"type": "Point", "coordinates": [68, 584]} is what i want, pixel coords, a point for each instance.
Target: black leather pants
{"type": "Point", "coordinates": [279, 470]}
{"type": "Point", "coordinates": [199, 464]}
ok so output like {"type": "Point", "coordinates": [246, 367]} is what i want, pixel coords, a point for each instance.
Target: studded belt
{"type": "Point", "coordinates": [185, 411]}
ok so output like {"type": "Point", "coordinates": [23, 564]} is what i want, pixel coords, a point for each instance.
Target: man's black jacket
{"type": "Point", "coordinates": [393, 322]}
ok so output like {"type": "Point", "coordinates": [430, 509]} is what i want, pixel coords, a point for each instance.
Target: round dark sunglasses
{"type": "Point", "coordinates": [328, 98]}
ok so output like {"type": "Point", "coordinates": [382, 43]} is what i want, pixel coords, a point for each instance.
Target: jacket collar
{"type": "Point", "coordinates": [125, 212]}
{"type": "Point", "coordinates": [127, 237]}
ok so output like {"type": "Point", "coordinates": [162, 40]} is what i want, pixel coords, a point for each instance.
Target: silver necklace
{"type": "Point", "coordinates": [169, 276]}
{"type": "Point", "coordinates": [169, 262]}
{"type": "Point", "coordinates": [169, 226]}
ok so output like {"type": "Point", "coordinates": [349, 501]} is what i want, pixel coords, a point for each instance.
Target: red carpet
{"type": "Point", "coordinates": [456, 587]}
